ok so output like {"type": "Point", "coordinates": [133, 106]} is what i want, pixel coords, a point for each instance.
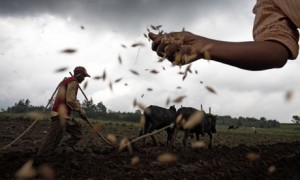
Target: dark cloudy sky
{"type": "Point", "coordinates": [34, 32]}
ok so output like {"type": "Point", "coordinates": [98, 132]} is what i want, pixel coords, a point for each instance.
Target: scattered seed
{"type": "Point", "coordinates": [120, 59]}
{"type": "Point", "coordinates": [110, 86]}
{"type": "Point", "coordinates": [179, 99]}
{"type": "Point", "coordinates": [85, 84]}
{"type": "Point", "coordinates": [138, 45]}
{"type": "Point", "coordinates": [36, 116]}
{"type": "Point", "coordinates": [112, 138]}
{"type": "Point", "coordinates": [134, 72]}
{"type": "Point", "coordinates": [195, 119]}
{"type": "Point", "coordinates": [198, 144]}
{"type": "Point", "coordinates": [123, 143]}
{"type": "Point", "coordinates": [271, 169]}
{"type": "Point", "coordinates": [62, 69]}
{"type": "Point", "coordinates": [47, 172]}
{"type": "Point", "coordinates": [166, 158]}
{"type": "Point", "coordinates": [135, 161]}
{"type": "Point", "coordinates": [252, 156]}
{"type": "Point", "coordinates": [27, 171]}
{"type": "Point", "coordinates": [210, 89]}
{"type": "Point", "coordinates": [168, 101]}
{"type": "Point", "coordinates": [153, 71]}
{"type": "Point", "coordinates": [97, 77]}
{"type": "Point", "coordinates": [289, 95]}
{"type": "Point", "coordinates": [153, 27]}
{"type": "Point", "coordinates": [118, 80]}
{"type": "Point", "coordinates": [142, 120]}
{"type": "Point", "coordinates": [69, 51]}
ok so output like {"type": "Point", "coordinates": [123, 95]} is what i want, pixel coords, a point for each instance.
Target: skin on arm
{"type": "Point", "coordinates": [184, 47]}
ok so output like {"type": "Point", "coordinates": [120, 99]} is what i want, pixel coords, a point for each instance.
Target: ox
{"type": "Point", "coordinates": [207, 124]}
{"type": "Point", "coordinates": [156, 118]}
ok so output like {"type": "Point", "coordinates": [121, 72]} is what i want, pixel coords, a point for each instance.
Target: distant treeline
{"type": "Point", "coordinates": [99, 111]}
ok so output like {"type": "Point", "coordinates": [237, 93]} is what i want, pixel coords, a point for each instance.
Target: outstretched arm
{"type": "Point", "coordinates": [184, 47]}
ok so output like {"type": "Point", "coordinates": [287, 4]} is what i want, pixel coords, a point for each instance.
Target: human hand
{"type": "Point", "coordinates": [178, 47]}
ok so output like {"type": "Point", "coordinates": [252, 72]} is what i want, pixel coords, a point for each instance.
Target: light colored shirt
{"type": "Point", "coordinates": [71, 99]}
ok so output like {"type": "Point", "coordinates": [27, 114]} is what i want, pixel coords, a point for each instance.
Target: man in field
{"type": "Point", "coordinates": [61, 117]}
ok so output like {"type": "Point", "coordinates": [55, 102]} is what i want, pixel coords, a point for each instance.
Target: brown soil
{"type": "Point", "coordinates": [95, 160]}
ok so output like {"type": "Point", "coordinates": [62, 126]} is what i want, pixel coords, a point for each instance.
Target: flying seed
{"type": "Point", "coordinates": [289, 95]}
{"type": "Point", "coordinates": [124, 46]}
{"type": "Point", "coordinates": [138, 45]}
{"type": "Point", "coordinates": [97, 77]}
{"type": "Point", "coordinates": [104, 75]}
{"type": "Point", "coordinates": [62, 69]}
{"type": "Point", "coordinates": [167, 101]}
{"type": "Point", "coordinates": [142, 120]}
{"type": "Point", "coordinates": [112, 138]}
{"type": "Point", "coordinates": [110, 86]}
{"type": "Point", "coordinates": [135, 161]}
{"type": "Point", "coordinates": [198, 144]}
{"type": "Point", "coordinates": [195, 119]}
{"type": "Point", "coordinates": [149, 89]}
{"type": "Point", "coordinates": [69, 51]}
{"type": "Point", "coordinates": [153, 27]}
{"type": "Point", "coordinates": [252, 156]}
{"type": "Point", "coordinates": [85, 84]}
{"type": "Point", "coordinates": [271, 169]}
{"type": "Point", "coordinates": [36, 116]}
{"type": "Point", "coordinates": [179, 99]}
{"type": "Point", "coordinates": [118, 80]}
{"type": "Point", "coordinates": [206, 48]}
{"type": "Point", "coordinates": [27, 171]}
{"type": "Point", "coordinates": [134, 72]}
{"type": "Point", "coordinates": [123, 143]}
{"type": "Point", "coordinates": [166, 158]}
{"type": "Point", "coordinates": [120, 59]}
{"type": "Point", "coordinates": [210, 89]}
{"type": "Point", "coordinates": [47, 172]}
{"type": "Point", "coordinates": [153, 71]}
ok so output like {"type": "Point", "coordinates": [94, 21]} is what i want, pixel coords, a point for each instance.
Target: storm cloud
{"type": "Point", "coordinates": [34, 32]}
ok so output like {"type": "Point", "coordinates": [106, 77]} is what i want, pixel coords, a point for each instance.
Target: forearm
{"type": "Point", "coordinates": [257, 55]}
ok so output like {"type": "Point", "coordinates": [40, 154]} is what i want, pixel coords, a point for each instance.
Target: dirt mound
{"type": "Point", "coordinates": [98, 161]}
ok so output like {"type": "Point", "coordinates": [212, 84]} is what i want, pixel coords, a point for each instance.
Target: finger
{"type": "Point", "coordinates": [161, 49]}
{"type": "Point", "coordinates": [171, 50]}
{"type": "Point", "coordinates": [178, 58]}
{"type": "Point", "coordinates": [156, 42]}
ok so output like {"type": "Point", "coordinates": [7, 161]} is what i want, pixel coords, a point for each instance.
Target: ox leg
{"type": "Point", "coordinates": [174, 137]}
{"type": "Point", "coordinates": [186, 135]}
{"type": "Point", "coordinates": [197, 136]}
{"type": "Point", "coordinates": [210, 139]}
{"type": "Point", "coordinates": [150, 129]}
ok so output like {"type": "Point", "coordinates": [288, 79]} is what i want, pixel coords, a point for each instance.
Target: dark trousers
{"type": "Point", "coordinates": [55, 135]}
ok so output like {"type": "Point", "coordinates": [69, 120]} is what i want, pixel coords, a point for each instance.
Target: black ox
{"type": "Point", "coordinates": [156, 118]}
{"type": "Point", "coordinates": [206, 125]}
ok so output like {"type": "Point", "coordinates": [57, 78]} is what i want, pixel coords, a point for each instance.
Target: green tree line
{"type": "Point", "coordinates": [100, 111]}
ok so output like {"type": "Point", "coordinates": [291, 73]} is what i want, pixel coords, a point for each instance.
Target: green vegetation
{"type": "Point", "coordinates": [100, 111]}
